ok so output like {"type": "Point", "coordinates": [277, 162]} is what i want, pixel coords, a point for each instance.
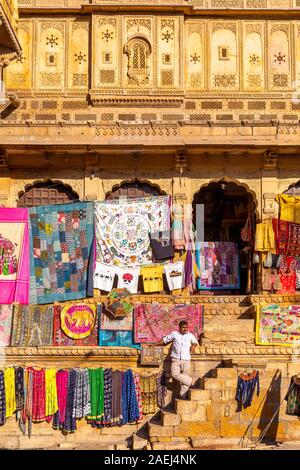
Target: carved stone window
{"type": "Point", "coordinates": [138, 51]}
{"type": "Point", "coordinates": [224, 53]}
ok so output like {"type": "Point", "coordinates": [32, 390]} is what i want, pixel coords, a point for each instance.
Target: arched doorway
{"type": "Point", "coordinates": [227, 208]}
{"type": "Point", "coordinates": [46, 192]}
{"type": "Point", "coordinates": [132, 189]}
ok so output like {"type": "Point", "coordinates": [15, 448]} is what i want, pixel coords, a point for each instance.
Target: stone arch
{"type": "Point", "coordinates": [47, 191]}
{"type": "Point", "coordinates": [139, 187]}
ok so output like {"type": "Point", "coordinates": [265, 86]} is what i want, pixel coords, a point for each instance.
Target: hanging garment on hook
{"type": "Point", "coordinates": [293, 397]}
{"type": "Point", "coordinates": [246, 387]}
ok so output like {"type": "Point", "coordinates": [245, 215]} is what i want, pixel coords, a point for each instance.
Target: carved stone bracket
{"type": "Point", "coordinates": [271, 160]}
{"type": "Point", "coordinates": [269, 203]}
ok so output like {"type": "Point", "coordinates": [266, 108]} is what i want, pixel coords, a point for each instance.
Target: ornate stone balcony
{"type": "Point", "coordinates": [9, 44]}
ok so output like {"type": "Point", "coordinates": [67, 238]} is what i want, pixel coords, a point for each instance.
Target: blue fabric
{"type": "Point", "coordinates": [245, 390]}
{"type": "Point", "coordinates": [117, 338]}
{"type": "Point", "coordinates": [62, 252]}
{"type": "Point", "coordinates": [130, 407]}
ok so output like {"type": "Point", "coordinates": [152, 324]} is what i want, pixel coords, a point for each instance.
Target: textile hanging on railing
{"type": "Point", "coordinates": [287, 271]}
{"type": "Point", "coordinates": [104, 276]}
{"type": "Point", "coordinates": [14, 256]}
{"type": "Point", "coordinates": [149, 393]}
{"type": "Point", "coordinates": [32, 325]}
{"type": "Point", "coordinates": [218, 264]}
{"type": "Point", "coordinates": [287, 236]}
{"type": "Point", "coordinates": [62, 243]}
{"type": "Point", "coordinates": [175, 275]}
{"type": "Point", "coordinates": [89, 322]}
{"type": "Point", "coordinates": [123, 229]}
{"type": "Point", "coordinates": [278, 325]}
{"type": "Point", "coordinates": [293, 397]}
{"type": "Point", "coordinates": [289, 207]}
{"type": "Point", "coordinates": [6, 314]}
{"type": "Point", "coordinates": [123, 339]}
{"type": "Point", "coordinates": [108, 322]}
{"type": "Point", "coordinates": [153, 321]}
{"type": "Point", "coordinates": [247, 382]}
{"type": "Point", "coordinates": [2, 399]}
{"type": "Point", "coordinates": [265, 237]}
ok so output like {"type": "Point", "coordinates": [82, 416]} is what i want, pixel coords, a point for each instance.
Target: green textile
{"type": "Point", "coordinates": [96, 377]}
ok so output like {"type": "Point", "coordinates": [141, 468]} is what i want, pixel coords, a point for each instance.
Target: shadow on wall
{"type": "Point", "coordinates": [270, 410]}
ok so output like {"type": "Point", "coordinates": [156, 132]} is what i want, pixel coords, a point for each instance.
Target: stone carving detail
{"type": "Point", "coordinates": [68, 351]}
{"type": "Point", "coordinates": [270, 161]}
{"type": "Point", "coordinates": [269, 203]}
{"type": "Point", "coordinates": [142, 131]}
{"type": "Point", "coordinates": [224, 80]}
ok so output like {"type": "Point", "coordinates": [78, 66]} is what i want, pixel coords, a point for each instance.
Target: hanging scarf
{"type": "Point", "coordinates": [149, 393]}
{"type": "Point", "coordinates": [138, 393]}
{"type": "Point", "coordinates": [10, 391]}
{"type": "Point", "coordinates": [107, 396]}
{"type": "Point", "coordinates": [69, 424]}
{"type": "Point", "coordinates": [62, 390]}
{"type": "Point", "coordinates": [51, 393]}
{"type": "Point", "coordinates": [246, 232]}
{"type": "Point", "coordinates": [96, 377]}
{"type": "Point", "coordinates": [116, 414]}
{"type": "Point", "coordinates": [82, 400]}
{"type": "Point", "coordinates": [2, 399]}
{"type": "Point", "coordinates": [130, 408]}
{"type": "Point", "coordinates": [26, 414]}
{"type": "Point", "coordinates": [19, 385]}
{"type": "Point", "coordinates": [161, 389]}
{"type": "Point", "coordinates": [38, 395]}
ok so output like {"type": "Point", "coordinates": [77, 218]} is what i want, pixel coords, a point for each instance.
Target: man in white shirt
{"type": "Point", "coordinates": [183, 344]}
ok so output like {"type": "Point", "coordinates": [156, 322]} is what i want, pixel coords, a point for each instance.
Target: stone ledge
{"type": "Point", "coordinates": [70, 351]}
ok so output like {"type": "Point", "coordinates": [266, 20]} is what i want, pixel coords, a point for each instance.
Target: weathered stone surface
{"type": "Point", "coordinates": [198, 415]}
{"type": "Point", "coordinates": [138, 443]}
{"type": "Point", "coordinates": [171, 446]}
{"type": "Point", "coordinates": [202, 396]}
{"type": "Point", "coordinates": [197, 429]}
{"type": "Point", "coordinates": [227, 373]}
{"type": "Point", "coordinates": [212, 443]}
{"type": "Point", "coordinates": [157, 430]}
{"type": "Point", "coordinates": [170, 418]}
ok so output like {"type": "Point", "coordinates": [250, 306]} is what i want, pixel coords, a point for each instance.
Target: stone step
{"type": "Point", "coordinates": [201, 396]}
{"type": "Point", "coordinates": [156, 430]}
{"type": "Point", "coordinates": [218, 384]}
{"type": "Point", "coordinates": [185, 406]}
{"type": "Point", "coordinates": [171, 446]}
{"type": "Point", "coordinates": [169, 418]}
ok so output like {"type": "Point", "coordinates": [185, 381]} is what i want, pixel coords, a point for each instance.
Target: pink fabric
{"type": "Point", "coordinates": [153, 321]}
{"type": "Point", "coordinates": [16, 290]}
{"type": "Point", "coordinates": [62, 391]}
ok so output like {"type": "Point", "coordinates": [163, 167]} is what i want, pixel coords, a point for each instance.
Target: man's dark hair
{"type": "Point", "coordinates": [182, 323]}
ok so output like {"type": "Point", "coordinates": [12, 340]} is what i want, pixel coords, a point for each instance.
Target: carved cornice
{"type": "Point", "coordinates": [97, 100]}
{"type": "Point", "coordinates": [248, 351]}
{"type": "Point", "coordinates": [69, 352]}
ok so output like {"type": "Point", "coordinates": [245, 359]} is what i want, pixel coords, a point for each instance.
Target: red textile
{"type": "Point", "coordinates": [62, 391]}
{"type": "Point", "coordinates": [287, 237]}
{"type": "Point", "coordinates": [287, 273]}
{"type": "Point", "coordinates": [138, 392]}
{"type": "Point", "coordinates": [38, 395]}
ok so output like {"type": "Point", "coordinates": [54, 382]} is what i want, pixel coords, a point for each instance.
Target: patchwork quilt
{"type": "Point", "coordinates": [278, 325]}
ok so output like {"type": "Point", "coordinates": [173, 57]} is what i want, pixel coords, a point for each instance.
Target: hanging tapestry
{"type": "Point", "coordinates": [108, 322]}
{"type": "Point", "coordinates": [60, 338]}
{"type": "Point", "coordinates": [61, 240]}
{"type": "Point", "coordinates": [287, 236]}
{"type": "Point", "coordinates": [289, 207]}
{"type": "Point", "coordinates": [117, 338]}
{"type": "Point", "coordinates": [278, 325]}
{"type": "Point", "coordinates": [32, 325]}
{"type": "Point", "coordinates": [153, 321]}
{"type": "Point", "coordinates": [123, 229]}
{"type": "Point", "coordinates": [14, 256]}
{"type": "Point", "coordinates": [78, 320]}
{"type": "Point", "coordinates": [118, 303]}
{"type": "Point", "coordinates": [218, 264]}
{"type": "Point", "coordinates": [5, 324]}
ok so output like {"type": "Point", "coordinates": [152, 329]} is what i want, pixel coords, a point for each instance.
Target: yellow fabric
{"type": "Point", "coordinates": [264, 237]}
{"type": "Point", "coordinates": [289, 207]}
{"type": "Point", "coordinates": [51, 392]}
{"type": "Point", "coordinates": [153, 278]}
{"type": "Point", "coordinates": [10, 391]}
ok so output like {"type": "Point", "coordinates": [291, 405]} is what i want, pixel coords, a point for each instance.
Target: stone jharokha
{"type": "Point", "coordinates": [195, 99]}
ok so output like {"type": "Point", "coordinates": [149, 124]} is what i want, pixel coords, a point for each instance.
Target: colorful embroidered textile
{"type": "Point", "coordinates": [153, 321]}
{"type": "Point", "coordinates": [153, 278]}
{"type": "Point", "coordinates": [19, 387]}
{"type": "Point", "coordinates": [177, 226]}
{"type": "Point", "coordinates": [61, 240]}
{"type": "Point", "coordinates": [175, 275]}
{"type": "Point", "coordinates": [51, 392]}
{"type": "Point", "coordinates": [82, 399]}
{"type": "Point", "coordinates": [123, 228]}
{"type": "Point", "coordinates": [278, 325]}
{"type": "Point", "coordinates": [32, 325]}
{"type": "Point", "coordinates": [118, 303]}
{"type": "Point", "coordinates": [107, 322]}
{"type": "Point", "coordinates": [107, 396]}
{"type": "Point", "coordinates": [246, 232]}
{"type": "Point", "coordinates": [128, 278]}
{"type": "Point", "coordinates": [62, 377]}
{"type": "Point", "coordinates": [161, 389]}
{"type": "Point", "coordinates": [78, 320]}
{"type": "Point", "coordinates": [218, 264]}
{"type": "Point", "coordinates": [246, 387]}
{"type": "Point", "coordinates": [149, 393]}
{"type": "Point", "coordinates": [293, 397]}
{"type": "Point", "coordinates": [264, 237]}
{"type": "Point", "coordinates": [130, 408]}
{"type": "Point", "coordinates": [104, 277]}
{"type": "Point", "coordinates": [96, 379]}
{"type": "Point", "coordinates": [297, 269]}
{"type": "Point", "coordinates": [287, 271]}
{"type": "Point", "coordinates": [116, 407]}
{"type": "Point", "coordinates": [27, 411]}
{"type": "Point", "coordinates": [69, 424]}
{"type": "Point", "coordinates": [117, 338]}
{"type": "Point", "coordinates": [2, 399]}
{"type": "Point", "coordinates": [61, 339]}
{"type": "Point", "coordinates": [38, 395]}
{"type": "Point", "coordinates": [14, 256]}
{"type": "Point", "coordinates": [287, 236]}
{"type": "Point", "coordinates": [289, 207]}
{"type": "Point", "coordinates": [5, 324]}
{"type": "Point", "coordinates": [10, 391]}
{"type": "Point", "coordinates": [138, 391]}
